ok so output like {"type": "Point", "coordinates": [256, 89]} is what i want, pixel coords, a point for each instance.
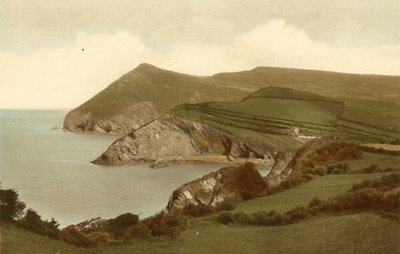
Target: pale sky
{"type": "Point", "coordinates": [58, 54]}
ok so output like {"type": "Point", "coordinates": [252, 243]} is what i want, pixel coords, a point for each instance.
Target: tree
{"type": "Point", "coordinates": [11, 208]}
{"type": "Point", "coordinates": [33, 222]}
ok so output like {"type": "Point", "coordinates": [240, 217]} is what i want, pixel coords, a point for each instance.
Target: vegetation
{"type": "Point", "coordinates": [273, 113]}
{"type": "Point", "coordinates": [11, 208]}
{"type": "Point", "coordinates": [167, 89]}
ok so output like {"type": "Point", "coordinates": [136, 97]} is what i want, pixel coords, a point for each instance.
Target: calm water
{"type": "Point", "coordinates": [51, 171]}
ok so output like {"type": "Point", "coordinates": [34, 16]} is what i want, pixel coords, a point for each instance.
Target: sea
{"type": "Point", "coordinates": [51, 170]}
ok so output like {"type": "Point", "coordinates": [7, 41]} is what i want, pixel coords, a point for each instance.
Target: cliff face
{"type": "Point", "coordinates": [129, 119]}
{"type": "Point", "coordinates": [171, 137]}
{"type": "Point", "coordinates": [242, 182]}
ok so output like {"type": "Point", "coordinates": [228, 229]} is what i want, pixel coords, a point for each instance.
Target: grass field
{"type": "Point", "coordinates": [323, 187]}
{"type": "Point", "coordinates": [381, 160]}
{"type": "Point", "coordinates": [361, 233]}
{"type": "Point", "coordinates": [272, 113]}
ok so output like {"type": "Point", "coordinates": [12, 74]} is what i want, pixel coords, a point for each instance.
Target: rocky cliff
{"type": "Point", "coordinates": [128, 119]}
{"type": "Point", "coordinates": [241, 182]}
{"type": "Point", "coordinates": [171, 137]}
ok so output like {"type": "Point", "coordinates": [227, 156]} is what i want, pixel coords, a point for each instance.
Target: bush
{"type": "Point", "coordinates": [243, 218]}
{"type": "Point", "coordinates": [338, 169]}
{"type": "Point", "coordinates": [118, 225]}
{"type": "Point", "coordinates": [33, 222]}
{"type": "Point", "coordinates": [162, 230]}
{"type": "Point", "coordinates": [226, 205]}
{"type": "Point", "coordinates": [198, 210]}
{"type": "Point", "coordinates": [272, 218]}
{"type": "Point", "coordinates": [259, 218]}
{"type": "Point", "coordinates": [72, 236]}
{"type": "Point", "coordinates": [225, 218]}
{"type": "Point", "coordinates": [275, 218]}
{"type": "Point", "coordinates": [315, 206]}
{"type": "Point", "coordinates": [385, 182]}
{"type": "Point", "coordinates": [167, 225]}
{"type": "Point", "coordinates": [11, 208]}
{"type": "Point", "coordinates": [297, 214]}
{"type": "Point", "coordinates": [139, 231]}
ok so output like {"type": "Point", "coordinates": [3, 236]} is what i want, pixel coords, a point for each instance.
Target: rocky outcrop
{"type": "Point", "coordinates": [242, 182]}
{"type": "Point", "coordinates": [129, 119]}
{"type": "Point", "coordinates": [280, 169]}
{"type": "Point", "coordinates": [170, 137]}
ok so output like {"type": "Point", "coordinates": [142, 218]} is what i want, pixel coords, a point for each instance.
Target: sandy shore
{"type": "Point", "coordinates": [218, 159]}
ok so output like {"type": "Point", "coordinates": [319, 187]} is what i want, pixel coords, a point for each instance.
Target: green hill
{"type": "Point", "coordinates": [120, 108]}
{"type": "Point", "coordinates": [273, 114]}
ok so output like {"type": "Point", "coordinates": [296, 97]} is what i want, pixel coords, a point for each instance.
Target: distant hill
{"type": "Point", "coordinates": [284, 117]}
{"type": "Point", "coordinates": [147, 91]}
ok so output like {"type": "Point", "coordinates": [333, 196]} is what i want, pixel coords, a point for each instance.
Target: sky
{"type": "Point", "coordinates": [58, 54]}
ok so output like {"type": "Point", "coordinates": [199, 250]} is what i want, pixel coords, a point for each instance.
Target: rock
{"type": "Point", "coordinates": [241, 182]}
{"type": "Point", "coordinates": [129, 119]}
{"type": "Point", "coordinates": [170, 137]}
{"type": "Point", "coordinates": [91, 225]}
{"type": "Point", "coordinates": [280, 170]}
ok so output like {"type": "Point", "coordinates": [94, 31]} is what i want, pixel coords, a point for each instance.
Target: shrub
{"type": "Point", "coordinates": [198, 210]}
{"type": "Point", "coordinates": [275, 218]}
{"type": "Point", "coordinates": [11, 208]}
{"type": "Point", "coordinates": [33, 222]}
{"type": "Point", "coordinates": [296, 214]}
{"type": "Point", "coordinates": [72, 236]}
{"type": "Point", "coordinates": [314, 202]}
{"type": "Point", "coordinates": [225, 218]}
{"type": "Point", "coordinates": [139, 231]}
{"type": "Point", "coordinates": [384, 183]}
{"type": "Point", "coordinates": [226, 205]}
{"type": "Point", "coordinates": [162, 230]}
{"type": "Point", "coordinates": [259, 218]}
{"type": "Point", "coordinates": [338, 169]}
{"type": "Point", "coordinates": [243, 218]}
{"type": "Point", "coordinates": [120, 223]}
{"type": "Point", "coordinates": [166, 225]}
{"type": "Point", "coordinates": [315, 206]}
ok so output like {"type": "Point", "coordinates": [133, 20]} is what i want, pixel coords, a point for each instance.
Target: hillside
{"type": "Point", "coordinates": [356, 231]}
{"type": "Point", "coordinates": [285, 117]}
{"type": "Point", "coordinates": [120, 108]}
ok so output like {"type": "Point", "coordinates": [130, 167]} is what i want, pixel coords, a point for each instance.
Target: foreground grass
{"type": "Point", "coordinates": [361, 233]}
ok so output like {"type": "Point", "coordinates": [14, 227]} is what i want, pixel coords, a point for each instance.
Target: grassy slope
{"type": "Point", "coordinates": [271, 111]}
{"type": "Point", "coordinates": [330, 84]}
{"type": "Point", "coordinates": [168, 89]}
{"type": "Point", "coordinates": [360, 233]}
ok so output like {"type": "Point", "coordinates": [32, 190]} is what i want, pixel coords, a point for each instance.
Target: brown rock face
{"type": "Point", "coordinates": [241, 182]}
{"type": "Point", "coordinates": [171, 137]}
